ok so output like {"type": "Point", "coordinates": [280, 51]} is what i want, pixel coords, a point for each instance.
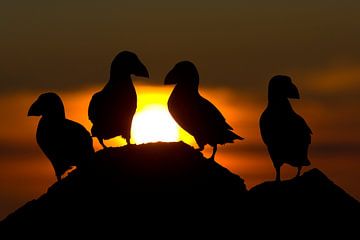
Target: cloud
{"type": "Point", "coordinates": [335, 80]}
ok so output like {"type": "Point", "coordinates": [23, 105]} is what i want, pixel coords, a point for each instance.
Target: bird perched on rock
{"type": "Point", "coordinates": [66, 143]}
{"type": "Point", "coordinates": [194, 113]}
{"type": "Point", "coordinates": [285, 133]}
{"type": "Point", "coordinates": [112, 109]}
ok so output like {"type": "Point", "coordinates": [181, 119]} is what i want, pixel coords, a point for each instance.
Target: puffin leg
{"type": "Point", "coordinates": [213, 154]}
{"type": "Point", "coordinates": [101, 141]}
{"type": "Point", "coordinates": [58, 177]}
{"type": "Point", "coordinates": [277, 168]}
{"type": "Point", "coordinates": [298, 171]}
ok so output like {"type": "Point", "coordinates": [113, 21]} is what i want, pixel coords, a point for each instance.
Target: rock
{"type": "Point", "coordinates": [160, 187]}
{"type": "Point", "coordinates": [311, 201]}
{"type": "Point", "coordinates": [156, 179]}
{"type": "Point", "coordinates": [311, 191]}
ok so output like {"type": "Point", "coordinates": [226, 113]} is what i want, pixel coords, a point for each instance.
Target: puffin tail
{"type": "Point", "coordinates": [231, 136]}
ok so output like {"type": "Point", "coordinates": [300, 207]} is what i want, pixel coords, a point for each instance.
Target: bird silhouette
{"type": "Point", "coordinates": [66, 143]}
{"type": "Point", "coordinates": [285, 133]}
{"type": "Point", "coordinates": [194, 113]}
{"type": "Point", "coordinates": [112, 109]}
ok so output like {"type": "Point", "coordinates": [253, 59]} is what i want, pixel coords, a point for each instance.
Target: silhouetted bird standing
{"type": "Point", "coordinates": [65, 142]}
{"type": "Point", "coordinates": [285, 133]}
{"type": "Point", "coordinates": [112, 109]}
{"type": "Point", "coordinates": [194, 113]}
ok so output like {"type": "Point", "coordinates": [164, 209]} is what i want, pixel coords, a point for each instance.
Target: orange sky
{"type": "Point", "coordinates": [26, 173]}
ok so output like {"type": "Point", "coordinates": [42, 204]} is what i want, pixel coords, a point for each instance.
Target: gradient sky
{"type": "Point", "coordinates": [67, 47]}
{"type": "Point", "coordinates": [234, 43]}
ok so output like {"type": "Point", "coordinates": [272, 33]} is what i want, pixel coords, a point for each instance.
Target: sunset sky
{"type": "Point", "coordinates": [67, 47]}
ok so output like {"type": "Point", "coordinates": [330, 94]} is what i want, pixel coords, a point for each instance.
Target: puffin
{"type": "Point", "coordinates": [111, 110]}
{"type": "Point", "coordinates": [284, 132]}
{"type": "Point", "coordinates": [65, 143]}
{"type": "Point", "coordinates": [195, 114]}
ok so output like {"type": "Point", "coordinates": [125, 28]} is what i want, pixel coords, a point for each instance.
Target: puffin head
{"type": "Point", "coordinates": [47, 105]}
{"type": "Point", "coordinates": [281, 87]}
{"type": "Point", "coordinates": [128, 63]}
{"type": "Point", "coordinates": [183, 72]}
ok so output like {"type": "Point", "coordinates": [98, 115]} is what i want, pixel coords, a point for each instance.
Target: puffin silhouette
{"type": "Point", "coordinates": [66, 143]}
{"type": "Point", "coordinates": [195, 114]}
{"type": "Point", "coordinates": [112, 109]}
{"type": "Point", "coordinates": [285, 133]}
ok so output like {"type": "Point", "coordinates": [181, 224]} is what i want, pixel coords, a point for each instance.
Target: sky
{"type": "Point", "coordinates": [237, 46]}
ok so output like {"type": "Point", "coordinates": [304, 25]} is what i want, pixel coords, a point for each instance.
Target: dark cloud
{"type": "Point", "coordinates": [9, 150]}
{"type": "Point", "coordinates": [241, 45]}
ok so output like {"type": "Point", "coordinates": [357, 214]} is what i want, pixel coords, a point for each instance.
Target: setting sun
{"type": "Point", "coordinates": [154, 123]}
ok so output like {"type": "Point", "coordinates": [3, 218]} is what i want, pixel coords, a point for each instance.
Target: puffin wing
{"type": "Point", "coordinates": [200, 118]}
{"type": "Point", "coordinates": [284, 129]}
{"type": "Point", "coordinates": [99, 113]}
{"type": "Point", "coordinates": [92, 106]}
{"type": "Point", "coordinates": [77, 142]}
{"type": "Point", "coordinates": [268, 127]}
{"type": "Point", "coordinates": [299, 131]}
{"type": "Point", "coordinates": [287, 137]}
{"type": "Point", "coordinates": [210, 115]}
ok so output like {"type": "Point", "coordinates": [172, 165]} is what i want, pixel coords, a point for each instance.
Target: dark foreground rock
{"type": "Point", "coordinates": [313, 191]}
{"type": "Point", "coordinates": [171, 186]}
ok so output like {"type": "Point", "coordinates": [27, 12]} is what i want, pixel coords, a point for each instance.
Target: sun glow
{"type": "Point", "coordinates": [154, 123]}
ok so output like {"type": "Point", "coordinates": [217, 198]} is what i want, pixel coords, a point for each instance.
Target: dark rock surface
{"type": "Point", "coordinates": [172, 186]}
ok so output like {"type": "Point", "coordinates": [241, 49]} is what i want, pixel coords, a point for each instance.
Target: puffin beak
{"type": "Point", "coordinates": [293, 92]}
{"type": "Point", "coordinates": [170, 78]}
{"type": "Point", "coordinates": [141, 71]}
{"type": "Point", "coordinates": [35, 109]}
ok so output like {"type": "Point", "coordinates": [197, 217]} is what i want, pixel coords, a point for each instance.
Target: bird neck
{"type": "Point", "coordinates": [188, 87]}
{"type": "Point", "coordinates": [279, 103]}
{"type": "Point", "coordinates": [57, 111]}
{"type": "Point", "coordinates": [119, 74]}
{"type": "Point", "coordinates": [53, 118]}
{"type": "Point", "coordinates": [120, 79]}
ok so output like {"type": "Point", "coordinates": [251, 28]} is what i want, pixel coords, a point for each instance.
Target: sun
{"type": "Point", "coordinates": [153, 124]}
{"type": "Point", "coordinates": [152, 121]}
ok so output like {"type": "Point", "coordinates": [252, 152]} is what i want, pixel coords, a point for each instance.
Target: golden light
{"type": "Point", "coordinates": [152, 121]}
{"type": "Point", "coordinates": [153, 124]}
